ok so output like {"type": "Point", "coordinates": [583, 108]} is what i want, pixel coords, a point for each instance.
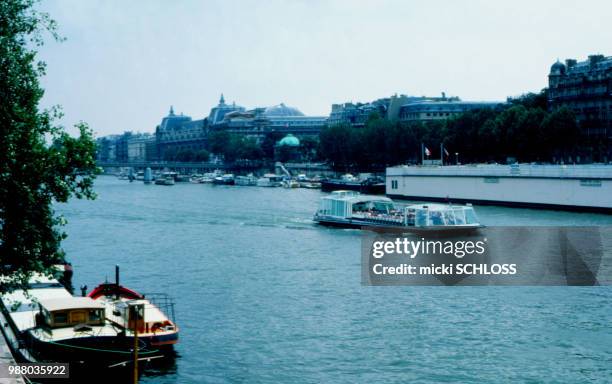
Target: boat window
{"type": "Point", "coordinates": [95, 315]}
{"type": "Point", "coordinates": [410, 216]}
{"type": "Point", "coordinates": [77, 317]}
{"type": "Point", "coordinates": [435, 218]}
{"type": "Point", "coordinates": [459, 217]}
{"type": "Point", "coordinates": [470, 216]}
{"type": "Point", "coordinates": [449, 216]}
{"type": "Point", "coordinates": [421, 218]}
{"type": "Point", "coordinates": [60, 318]}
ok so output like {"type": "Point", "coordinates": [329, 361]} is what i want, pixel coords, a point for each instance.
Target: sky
{"type": "Point", "coordinates": [124, 63]}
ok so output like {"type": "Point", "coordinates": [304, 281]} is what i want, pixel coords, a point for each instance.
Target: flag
{"type": "Point", "coordinates": [427, 151]}
{"type": "Point", "coordinates": [446, 152]}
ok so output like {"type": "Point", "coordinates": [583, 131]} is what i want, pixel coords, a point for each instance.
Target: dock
{"type": "Point", "coordinates": [6, 358]}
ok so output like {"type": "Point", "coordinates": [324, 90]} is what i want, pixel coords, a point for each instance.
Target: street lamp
{"type": "Point", "coordinates": [457, 157]}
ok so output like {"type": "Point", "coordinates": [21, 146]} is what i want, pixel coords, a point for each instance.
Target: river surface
{"type": "Point", "coordinates": [265, 296]}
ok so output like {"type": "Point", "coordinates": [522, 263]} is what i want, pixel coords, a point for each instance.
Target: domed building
{"type": "Point", "coordinates": [287, 149]}
{"type": "Point", "coordinates": [289, 140]}
{"type": "Point", "coordinates": [282, 110]}
{"type": "Point", "coordinates": [557, 68]}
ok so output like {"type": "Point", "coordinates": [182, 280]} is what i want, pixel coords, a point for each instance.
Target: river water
{"type": "Point", "coordinates": [265, 296]}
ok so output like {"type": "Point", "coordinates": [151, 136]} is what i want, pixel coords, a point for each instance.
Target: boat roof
{"type": "Point", "coordinates": [70, 303]}
{"type": "Point", "coordinates": [438, 207]}
{"type": "Point", "coordinates": [354, 197]}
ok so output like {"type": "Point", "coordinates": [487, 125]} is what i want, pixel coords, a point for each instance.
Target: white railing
{"type": "Point", "coordinates": [516, 170]}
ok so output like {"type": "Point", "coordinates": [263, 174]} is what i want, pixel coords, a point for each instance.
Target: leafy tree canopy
{"type": "Point", "coordinates": [40, 163]}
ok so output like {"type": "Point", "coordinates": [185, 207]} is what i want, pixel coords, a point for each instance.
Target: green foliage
{"type": "Point", "coordinates": [268, 143]}
{"type": "Point", "coordinates": [523, 130]}
{"type": "Point", "coordinates": [234, 147]}
{"type": "Point", "coordinates": [39, 162]}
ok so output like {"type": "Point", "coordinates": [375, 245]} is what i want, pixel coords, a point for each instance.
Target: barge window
{"type": "Point", "coordinates": [94, 315]}
{"type": "Point", "coordinates": [77, 317]}
{"type": "Point", "coordinates": [60, 318]}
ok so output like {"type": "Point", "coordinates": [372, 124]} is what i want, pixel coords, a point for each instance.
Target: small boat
{"type": "Point", "coordinates": [353, 210]}
{"type": "Point", "coordinates": [270, 180]}
{"type": "Point", "coordinates": [290, 184]}
{"type": "Point", "coordinates": [227, 179]}
{"type": "Point", "coordinates": [248, 180]}
{"type": "Point", "coordinates": [164, 180]}
{"type": "Point", "coordinates": [310, 185]}
{"type": "Point", "coordinates": [182, 178]}
{"type": "Point", "coordinates": [370, 185]}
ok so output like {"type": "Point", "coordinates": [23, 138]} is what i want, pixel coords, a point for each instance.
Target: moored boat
{"type": "Point", "coordinates": [164, 180]}
{"type": "Point", "coordinates": [354, 210]}
{"type": "Point", "coordinates": [155, 328]}
{"type": "Point", "coordinates": [226, 179]}
{"type": "Point", "coordinates": [48, 324]}
{"type": "Point", "coordinates": [248, 180]}
{"type": "Point", "coordinates": [269, 180]}
{"type": "Point", "coordinates": [370, 185]}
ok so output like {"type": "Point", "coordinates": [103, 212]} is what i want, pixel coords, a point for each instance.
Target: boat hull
{"type": "Point", "coordinates": [91, 350]}
{"type": "Point", "coordinates": [395, 228]}
{"type": "Point", "coordinates": [361, 187]}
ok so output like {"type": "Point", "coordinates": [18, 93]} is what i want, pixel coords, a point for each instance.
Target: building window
{"type": "Point", "coordinates": [393, 184]}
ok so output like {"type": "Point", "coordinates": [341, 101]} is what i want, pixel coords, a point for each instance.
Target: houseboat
{"type": "Point", "coordinates": [353, 210]}
{"type": "Point", "coordinates": [48, 324]}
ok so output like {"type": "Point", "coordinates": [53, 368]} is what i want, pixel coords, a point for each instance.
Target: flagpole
{"type": "Point", "coordinates": [442, 153]}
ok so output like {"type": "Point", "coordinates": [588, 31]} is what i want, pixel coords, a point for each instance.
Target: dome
{"type": "Point", "coordinates": [282, 110]}
{"type": "Point", "coordinates": [557, 68]}
{"type": "Point", "coordinates": [290, 141]}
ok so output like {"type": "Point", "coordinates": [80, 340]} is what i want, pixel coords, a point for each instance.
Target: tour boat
{"type": "Point", "coordinates": [154, 323]}
{"type": "Point", "coordinates": [354, 210]}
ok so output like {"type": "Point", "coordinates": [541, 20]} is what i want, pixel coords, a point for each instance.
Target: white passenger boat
{"type": "Point", "coordinates": [353, 210]}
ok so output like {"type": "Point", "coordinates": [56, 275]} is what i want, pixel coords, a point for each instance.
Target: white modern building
{"type": "Point", "coordinates": [574, 187]}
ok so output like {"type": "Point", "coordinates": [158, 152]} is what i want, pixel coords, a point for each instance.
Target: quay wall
{"type": "Point", "coordinates": [581, 188]}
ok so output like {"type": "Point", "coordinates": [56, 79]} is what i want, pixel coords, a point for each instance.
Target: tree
{"type": "Point", "coordinates": [202, 155]}
{"type": "Point", "coordinates": [39, 162]}
{"type": "Point", "coordinates": [268, 143]}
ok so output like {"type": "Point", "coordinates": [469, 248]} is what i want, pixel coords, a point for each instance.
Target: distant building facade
{"type": "Point", "coordinates": [586, 88]}
{"type": "Point", "coordinates": [141, 147]}
{"type": "Point", "coordinates": [357, 114]}
{"type": "Point", "coordinates": [278, 118]}
{"type": "Point", "coordinates": [441, 110]}
{"type": "Point", "coordinates": [179, 132]}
